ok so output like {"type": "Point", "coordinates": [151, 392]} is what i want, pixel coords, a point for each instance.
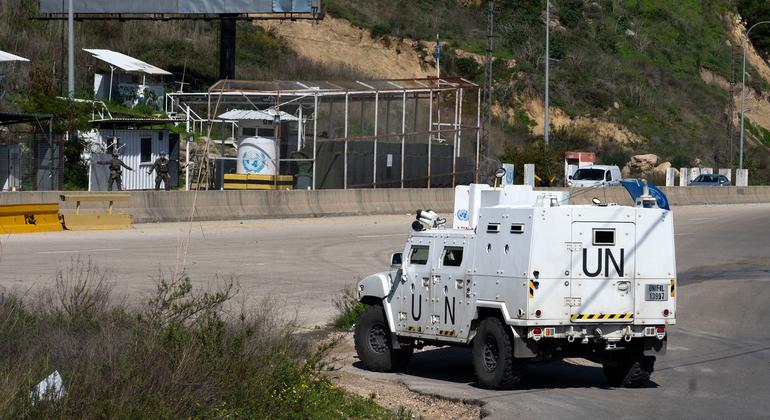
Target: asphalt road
{"type": "Point", "coordinates": [300, 264]}
{"type": "Point", "coordinates": [718, 360]}
{"type": "Point", "coordinates": [718, 364]}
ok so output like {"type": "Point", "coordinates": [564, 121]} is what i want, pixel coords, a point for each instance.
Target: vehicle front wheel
{"type": "Point", "coordinates": [493, 360]}
{"type": "Point", "coordinates": [373, 343]}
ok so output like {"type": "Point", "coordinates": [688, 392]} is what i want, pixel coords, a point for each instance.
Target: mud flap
{"type": "Point", "coordinates": [655, 347]}
{"type": "Point", "coordinates": [522, 348]}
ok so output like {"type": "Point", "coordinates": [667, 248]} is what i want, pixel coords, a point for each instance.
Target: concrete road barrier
{"type": "Point", "coordinates": [103, 219]}
{"type": "Point", "coordinates": [175, 206]}
{"type": "Point", "coordinates": [29, 218]}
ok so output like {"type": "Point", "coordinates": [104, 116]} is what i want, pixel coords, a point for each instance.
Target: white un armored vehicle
{"type": "Point", "coordinates": [523, 277]}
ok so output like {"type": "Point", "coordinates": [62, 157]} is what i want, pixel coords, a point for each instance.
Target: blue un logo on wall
{"type": "Point", "coordinates": [255, 161]}
{"type": "Point", "coordinates": [462, 215]}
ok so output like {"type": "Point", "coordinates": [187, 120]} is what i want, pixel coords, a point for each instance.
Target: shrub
{"type": "Point", "coordinates": [183, 355]}
{"type": "Point", "coordinates": [348, 308]}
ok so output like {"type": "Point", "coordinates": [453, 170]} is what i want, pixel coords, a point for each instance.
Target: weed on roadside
{"type": "Point", "coordinates": [182, 355]}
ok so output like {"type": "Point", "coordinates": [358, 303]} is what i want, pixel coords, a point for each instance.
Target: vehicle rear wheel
{"type": "Point", "coordinates": [373, 343]}
{"type": "Point", "coordinates": [631, 372]}
{"type": "Point", "coordinates": [493, 360]}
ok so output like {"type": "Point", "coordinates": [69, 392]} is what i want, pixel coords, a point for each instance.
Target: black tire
{"type": "Point", "coordinates": [373, 343]}
{"type": "Point", "coordinates": [632, 372]}
{"type": "Point", "coordinates": [493, 360]}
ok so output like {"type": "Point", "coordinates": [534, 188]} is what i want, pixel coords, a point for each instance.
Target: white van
{"type": "Point", "coordinates": [595, 176]}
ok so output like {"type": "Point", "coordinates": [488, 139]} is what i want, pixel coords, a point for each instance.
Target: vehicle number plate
{"type": "Point", "coordinates": [656, 292]}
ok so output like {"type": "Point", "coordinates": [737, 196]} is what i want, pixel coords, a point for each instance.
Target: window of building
{"type": "Point", "coordinates": [453, 257]}
{"type": "Point", "coordinates": [266, 132]}
{"type": "Point", "coordinates": [145, 150]}
{"type": "Point", "coordinates": [249, 131]}
{"type": "Point", "coordinates": [419, 255]}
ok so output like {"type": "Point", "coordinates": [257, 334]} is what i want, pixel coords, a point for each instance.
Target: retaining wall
{"type": "Point", "coordinates": [174, 206]}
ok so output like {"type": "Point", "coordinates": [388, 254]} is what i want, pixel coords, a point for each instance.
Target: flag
{"type": "Point", "coordinates": [635, 189]}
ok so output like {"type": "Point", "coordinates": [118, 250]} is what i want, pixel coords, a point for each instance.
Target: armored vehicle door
{"type": "Point", "coordinates": [602, 272]}
{"type": "Point", "coordinates": [414, 292]}
{"type": "Point", "coordinates": [450, 282]}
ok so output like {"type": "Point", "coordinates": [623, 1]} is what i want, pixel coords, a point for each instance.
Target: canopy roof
{"type": "Point", "coordinates": [125, 62]}
{"type": "Point", "coordinates": [285, 87]}
{"type": "Point", "coordinates": [268, 114]}
{"type": "Point", "coordinates": [4, 57]}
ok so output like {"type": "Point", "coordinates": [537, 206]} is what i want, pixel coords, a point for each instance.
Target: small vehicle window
{"type": "Point", "coordinates": [453, 257]}
{"type": "Point", "coordinates": [588, 175]}
{"type": "Point", "coordinates": [493, 228]}
{"type": "Point", "coordinates": [419, 255]}
{"type": "Point", "coordinates": [517, 228]}
{"type": "Point", "coordinates": [604, 237]}
{"type": "Point", "coordinates": [608, 176]}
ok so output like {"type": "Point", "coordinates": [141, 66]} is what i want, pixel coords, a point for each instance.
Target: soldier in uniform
{"type": "Point", "coordinates": [161, 167]}
{"type": "Point", "coordinates": [116, 170]}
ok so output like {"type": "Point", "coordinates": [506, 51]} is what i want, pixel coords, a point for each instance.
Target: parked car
{"type": "Point", "coordinates": [710, 180]}
{"type": "Point", "coordinates": [595, 176]}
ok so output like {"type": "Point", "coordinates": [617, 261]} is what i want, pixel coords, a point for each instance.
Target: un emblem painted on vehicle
{"type": "Point", "coordinates": [462, 215]}
{"type": "Point", "coordinates": [255, 161]}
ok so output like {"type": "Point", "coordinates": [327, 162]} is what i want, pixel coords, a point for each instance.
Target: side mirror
{"type": "Point", "coordinates": [569, 177]}
{"type": "Point", "coordinates": [396, 260]}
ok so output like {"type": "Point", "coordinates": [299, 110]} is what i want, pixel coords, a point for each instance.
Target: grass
{"type": "Point", "coordinates": [185, 354]}
{"type": "Point", "coordinates": [348, 308]}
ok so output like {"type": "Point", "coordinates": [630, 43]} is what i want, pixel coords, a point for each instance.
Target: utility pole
{"type": "Point", "coordinates": [546, 122]}
{"type": "Point", "coordinates": [71, 52]}
{"type": "Point", "coordinates": [743, 88]}
{"type": "Point", "coordinates": [486, 129]}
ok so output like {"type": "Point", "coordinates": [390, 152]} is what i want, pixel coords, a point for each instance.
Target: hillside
{"type": "Point", "coordinates": [628, 77]}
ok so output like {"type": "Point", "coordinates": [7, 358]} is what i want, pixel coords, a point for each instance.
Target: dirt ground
{"type": "Point", "coordinates": [390, 393]}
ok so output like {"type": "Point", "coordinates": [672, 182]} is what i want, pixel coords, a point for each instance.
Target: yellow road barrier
{"type": "Point", "coordinates": [29, 218]}
{"type": "Point", "coordinates": [96, 220]}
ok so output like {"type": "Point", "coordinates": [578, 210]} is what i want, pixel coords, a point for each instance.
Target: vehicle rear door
{"type": "Point", "coordinates": [602, 272]}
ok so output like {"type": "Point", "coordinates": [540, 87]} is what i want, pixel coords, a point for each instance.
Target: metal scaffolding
{"type": "Point", "coordinates": [362, 123]}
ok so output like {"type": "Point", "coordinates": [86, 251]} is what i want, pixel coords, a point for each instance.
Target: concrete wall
{"type": "Point", "coordinates": [162, 206]}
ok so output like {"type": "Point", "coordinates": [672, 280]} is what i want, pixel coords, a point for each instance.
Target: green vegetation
{"type": "Point", "coordinates": [348, 308]}
{"type": "Point", "coordinates": [755, 11]}
{"type": "Point", "coordinates": [633, 62]}
{"type": "Point", "coordinates": [185, 354]}
{"type": "Point", "coordinates": [185, 48]}
{"type": "Point", "coordinates": [636, 63]}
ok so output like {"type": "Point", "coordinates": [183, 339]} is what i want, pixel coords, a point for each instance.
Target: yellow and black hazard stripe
{"type": "Point", "coordinates": [447, 333]}
{"type": "Point", "coordinates": [673, 288]}
{"type": "Point", "coordinates": [531, 289]}
{"type": "Point", "coordinates": [414, 329]}
{"type": "Point", "coordinates": [601, 316]}
{"type": "Point", "coordinates": [258, 182]}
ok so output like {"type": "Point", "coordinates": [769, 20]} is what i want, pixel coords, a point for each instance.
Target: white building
{"type": "Point", "coordinates": [137, 148]}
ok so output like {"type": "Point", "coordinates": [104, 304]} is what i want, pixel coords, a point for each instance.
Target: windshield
{"type": "Point", "coordinates": [707, 178]}
{"type": "Point", "coordinates": [589, 175]}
